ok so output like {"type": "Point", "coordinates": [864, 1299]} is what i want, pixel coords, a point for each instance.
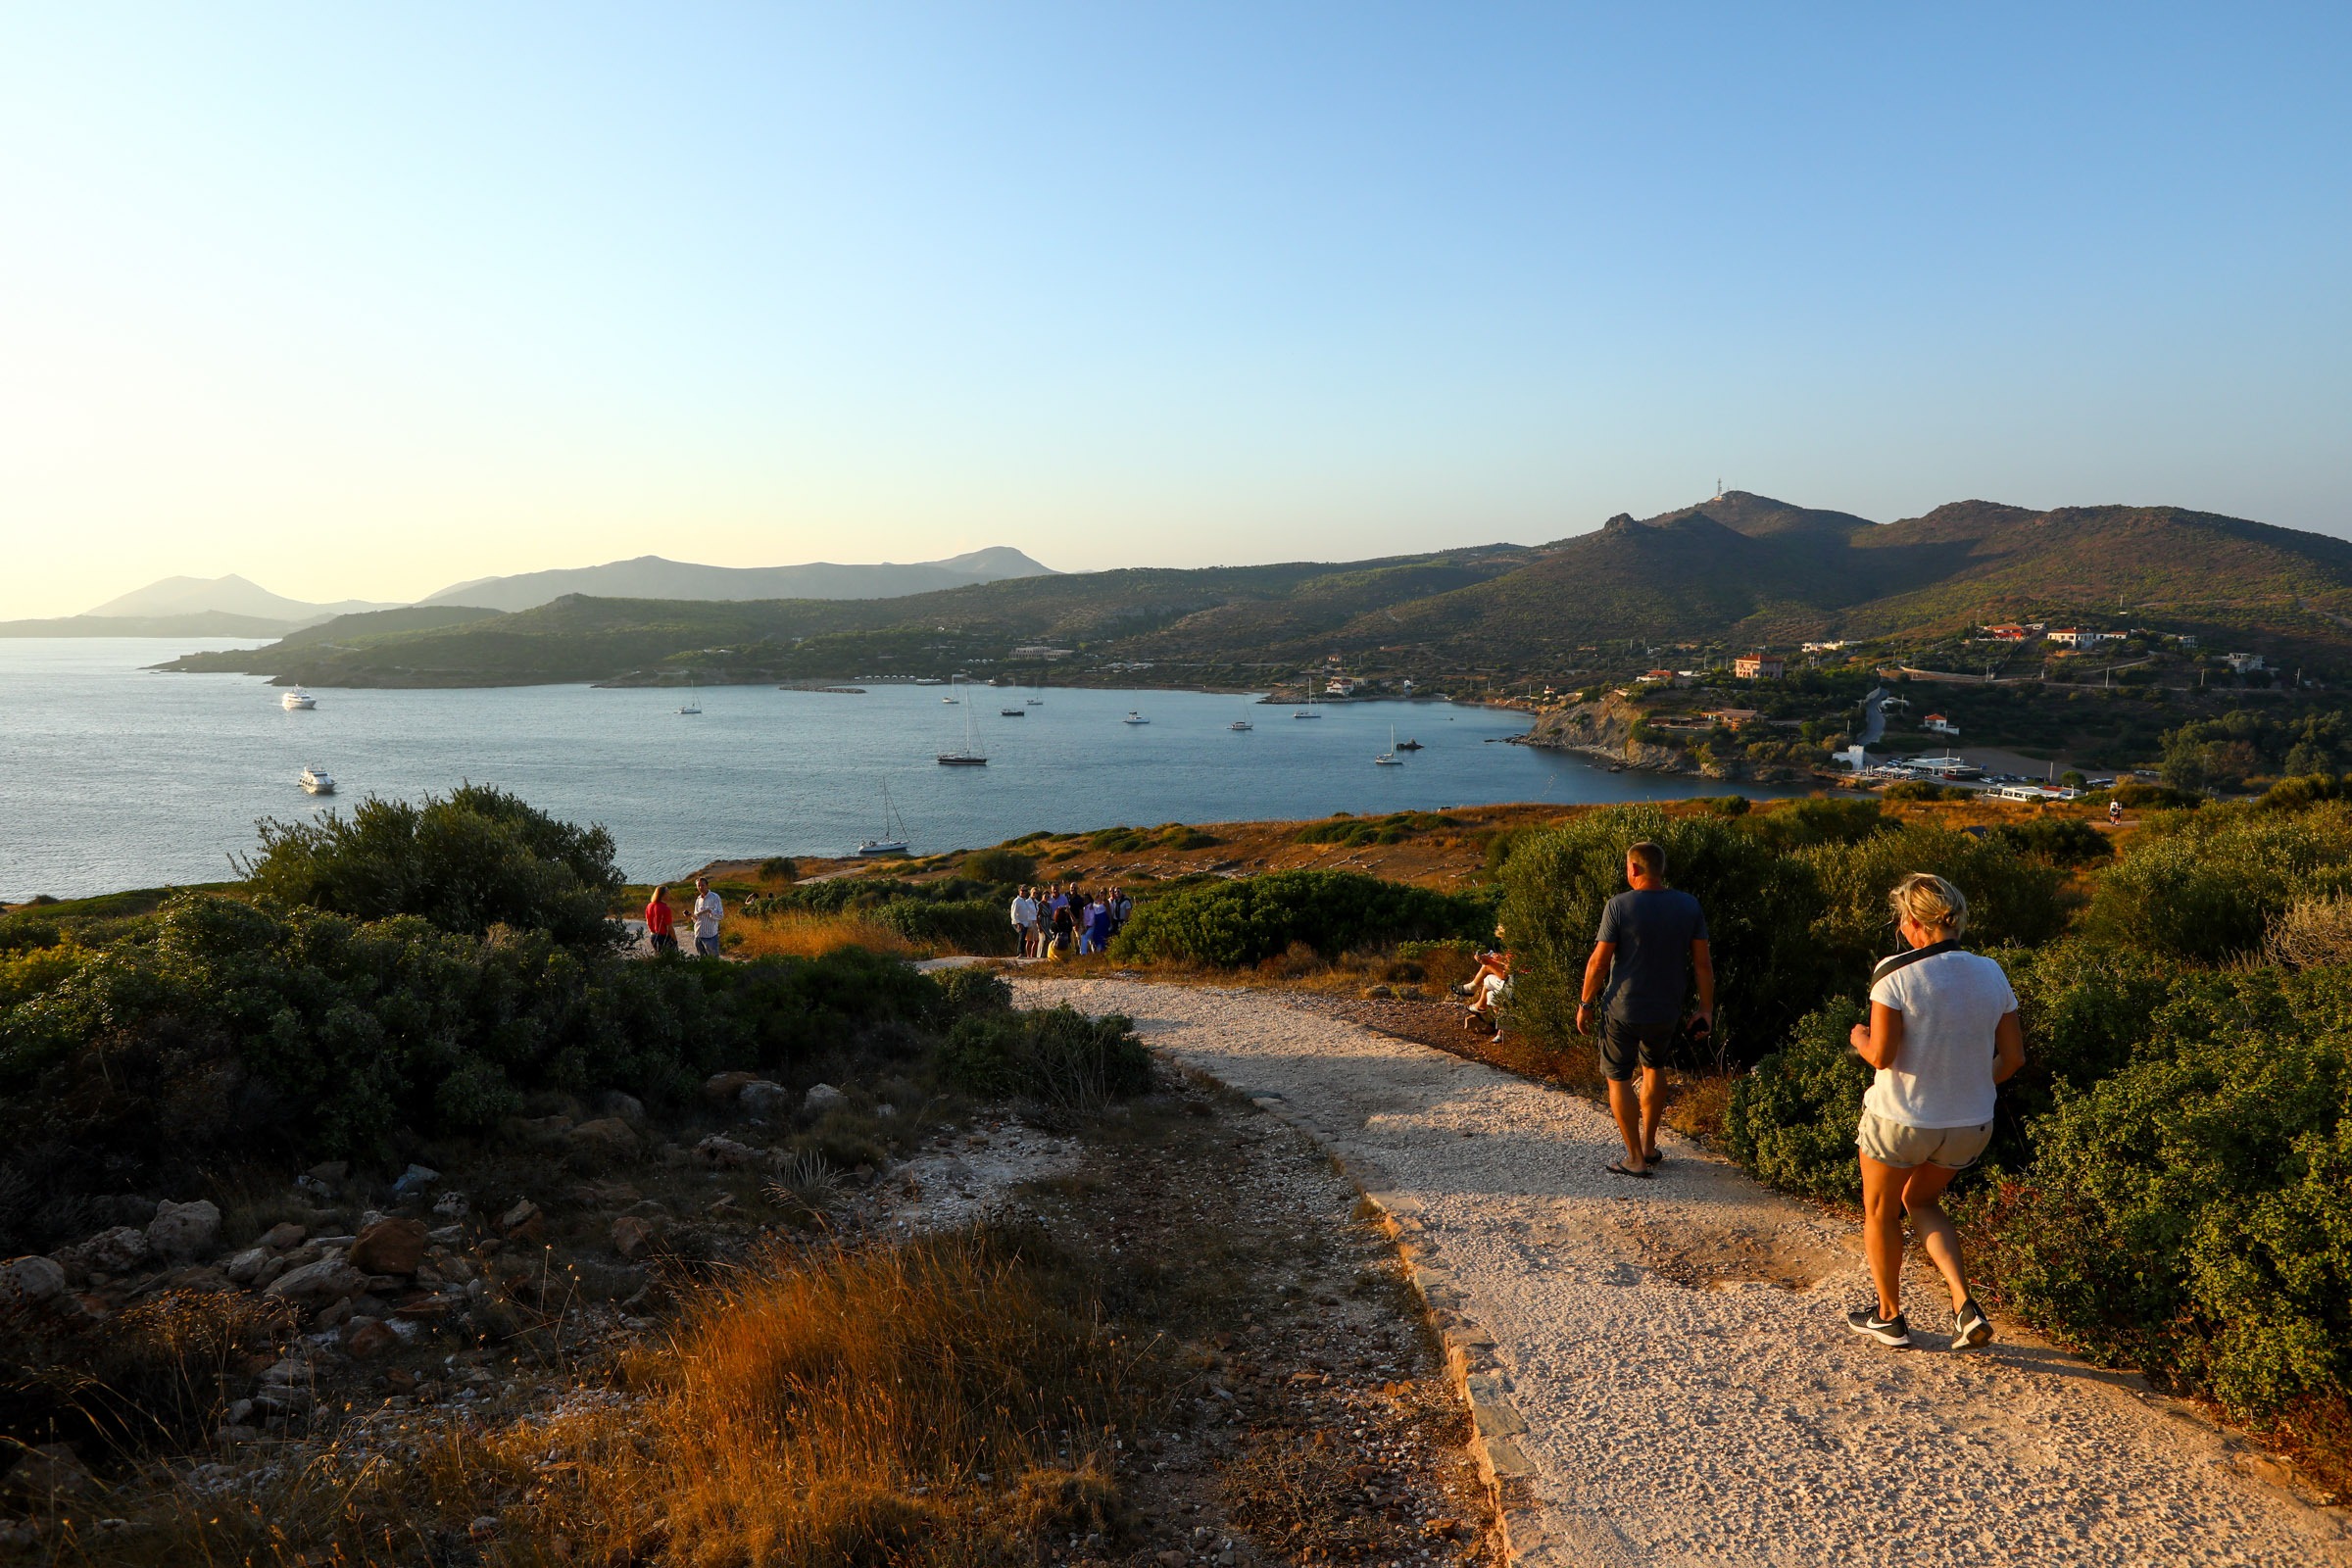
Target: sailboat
{"type": "Point", "coordinates": [972, 755]}
{"type": "Point", "coordinates": [1133, 717]}
{"type": "Point", "coordinates": [694, 703]}
{"type": "Point", "coordinates": [893, 830]}
{"type": "Point", "coordinates": [1389, 758]}
{"type": "Point", "coordinates": [1308, 712]}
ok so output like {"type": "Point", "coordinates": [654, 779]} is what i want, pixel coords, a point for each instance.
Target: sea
{"type": "Point", "coordinates": [115, 775]}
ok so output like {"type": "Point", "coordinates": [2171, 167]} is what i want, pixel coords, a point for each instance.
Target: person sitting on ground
{"type": "Point", "coordinates": [708, 912]}
{"type": "Point", "coordinates": [1487, 987]}
{"type": "Point", "coordinates": [1943, 1033]}
{"type": "Point", "coordinates": [661, 922]}
{"type": "Point", "coordinates": [1651, 946]}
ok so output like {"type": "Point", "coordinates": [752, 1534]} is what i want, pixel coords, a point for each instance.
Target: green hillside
{"type": "Point", "coordinates": [1736, 571]}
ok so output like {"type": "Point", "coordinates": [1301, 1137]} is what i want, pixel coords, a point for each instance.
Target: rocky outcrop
{"type": "Point", "coordinates": [1602, 729]}
{"type": "Point", "coordinates": [180, 1232]}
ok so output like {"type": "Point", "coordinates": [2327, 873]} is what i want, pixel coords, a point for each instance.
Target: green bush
{"type": "Point", "coordinates": [225, 1027]}
{"type": "Point", "coordinates": [1058, 1056]}
{"type": "Point", "coordinates": [1793, 1116]}
{"type": "Point", "coordinates": [1359, 832]}
{"type": "Point", "coordinates": [1247, 920]}
{"type": "Point", "coordinates": [468, 860]}
{"type": "Point", "coordinates": [2138, 797]}
{"type": "Point", "coordinates": [970, 988]}
{"type": "Point", "coordinates": [2204, 885]}
{"type": "Point", "coordinates": [999, 865]}
{"type": "Point", "coordinates": [2010, 899]}
{"type": "Point", "coordinates": [1919, 789]}
{"type": "Point", "coordinates": [2058, 840]}
{"type": "Point", "coordinates": [2187, 1214]}
{"type": "Point", "coordinates": [1800, 824]}
{"type": "Point", "coordinates": [1759, 902]}
{"type": "Point", "coordinates": [970, 925]}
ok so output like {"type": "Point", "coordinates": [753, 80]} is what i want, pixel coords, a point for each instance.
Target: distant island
{"type": "Point", "coordinates": [234, 607]}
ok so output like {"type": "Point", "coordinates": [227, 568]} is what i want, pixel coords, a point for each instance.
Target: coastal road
{"type": "Point", "coordinates": [1676, 1351]}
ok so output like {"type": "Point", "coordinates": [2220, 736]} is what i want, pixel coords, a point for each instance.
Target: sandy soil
{"type": "Point", "coordinates": [1678, 1351]}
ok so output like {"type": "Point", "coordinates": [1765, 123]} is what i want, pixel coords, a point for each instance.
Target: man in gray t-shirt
{"type": "Point", "coordinates": [1651, 946]}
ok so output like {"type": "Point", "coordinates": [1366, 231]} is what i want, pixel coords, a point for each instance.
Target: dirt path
{"type": "Point", "coordinates": [1676, 1347]}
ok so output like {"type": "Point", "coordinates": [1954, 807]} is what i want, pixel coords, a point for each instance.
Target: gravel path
{"type": "Point", "coordinates": [1676, 1350]}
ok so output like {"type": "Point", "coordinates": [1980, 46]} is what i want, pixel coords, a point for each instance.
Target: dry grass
{"type": "Point", "coordinates": [951, 1400]}
{"type": "Point", "coordinates": [803, 935]}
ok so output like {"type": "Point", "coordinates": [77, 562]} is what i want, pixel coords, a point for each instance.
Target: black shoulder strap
{"type": "Point", "coordinates": [1904, 960]}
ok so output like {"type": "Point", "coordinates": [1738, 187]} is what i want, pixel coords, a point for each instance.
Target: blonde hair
{"type": "Point", "coordinates": [1927, 900]}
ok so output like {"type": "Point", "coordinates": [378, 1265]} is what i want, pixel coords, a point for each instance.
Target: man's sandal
{"type": "Point", "coordinates": [1618, 1167]}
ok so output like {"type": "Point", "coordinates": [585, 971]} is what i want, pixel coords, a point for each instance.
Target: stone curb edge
{"type": "Point", "coordinates": [1470, 1362]}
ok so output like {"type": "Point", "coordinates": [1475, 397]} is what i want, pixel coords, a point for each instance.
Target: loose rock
{"type": "Point", "coordinates": [822, 1096]}
{"type": "Point", "coordinates": [762, 1100]}
{"type": "Point", "coordinates": [318, 1286]}
{"type": "Point", "coordinates": [389, 1246]}
{"type": "Point", "coordinates": [607, 1141]}
{"type": "Point", "coordinates": [182, 1232]}
{"type": "Point", "coordinates": [28, 1281]}
{"type": "Point", "coordinates": [722, 1088]}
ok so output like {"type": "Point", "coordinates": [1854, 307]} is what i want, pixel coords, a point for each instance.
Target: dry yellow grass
{"type": "Point", "coordinates": [945, 1401]}
{"type": "Point", "coordinates": [800, 934]}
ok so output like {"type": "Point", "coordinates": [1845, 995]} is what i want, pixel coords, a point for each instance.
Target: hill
{"type": "Point", "coordinates": [653, 577]}
{"type": "Point", "coordinates": [197, 623]}
{"type": "Point", "coordinates": [1734, 572]}
{"type": "Point", "coordinates": [231, 596]}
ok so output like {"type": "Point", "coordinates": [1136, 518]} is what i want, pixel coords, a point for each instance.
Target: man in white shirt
{"type": "Point", "coordinates": [1024, 921]}
{"type": "Point", "coordinates": [708, 912]}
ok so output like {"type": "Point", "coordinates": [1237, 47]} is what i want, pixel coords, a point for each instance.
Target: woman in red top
{"type": "Point", "coordinates": [660, 922]}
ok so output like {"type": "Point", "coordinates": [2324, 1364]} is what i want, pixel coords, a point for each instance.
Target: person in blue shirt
{"type": "Point", "coordinates": [1651, 946]}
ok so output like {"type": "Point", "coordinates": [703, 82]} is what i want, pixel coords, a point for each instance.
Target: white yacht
{"type": "Point", "coordinates": [297, 699]}
{"type": "Point", "coordinates": [1239, 723]}
{"type": "Point", "coordinates": [317, 781]}
{"type": "Point", "coordinates": [1133, 717]}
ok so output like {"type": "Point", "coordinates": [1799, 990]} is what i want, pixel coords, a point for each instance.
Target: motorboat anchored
{"type": "Point", "coordinates": [1406, 744]}
{"type": "Point", "coordinates": [297, 700]}
{"type": "Point", "coordinates": [1240, 724]}
{"type": "Point", "coordinates": [1133, 717]}
{"type": "Point", "coordinates": [1012, 713]}
{"type": "Point", "coordinates": [317, 781]}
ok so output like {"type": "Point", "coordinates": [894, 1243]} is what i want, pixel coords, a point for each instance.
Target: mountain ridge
{"type": "Point", "coordinates": [1736, 571]}
{"type": "Point", "coordinates": [659, 578]}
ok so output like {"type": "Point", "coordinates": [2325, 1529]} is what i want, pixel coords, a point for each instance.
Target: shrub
{"type": "Point", "coordinates": [2058, 840]}
{"type": "Point", "coordinates": [1058, 1056]}
{"type": "Point", "coordinates": [1918, 789]}
{"type": "Point", "coordinates": [2138, 797]}
{"type": "Point", "coordinates": [779, 869]}
{"type": "Point", "coordinates": [968, 925]}
{"type": "Point", "coordinates": [1820, 820]}
{"type": "Point", "coordinates": [1358, 832]}
{"type": "Point", "coordinates": [468, 860]}
{"type": "Point", "coordinates": [2206, 886]}
{"type": "Point", "coordinates": [970, 988]}
{"type": "Point", "coordinates": [227, 1026]}
{"type": "Point", "coordinates": [1759, 906]}
{"type": "Point", "coordinates": [999, 865]}
{"type": "Point", "coordinates": [1246, 920]}
{"type": "Point", "coordinates": [2010, 899]}
{"type": "Point", "coordinates": [2187, 1214]}
{"type": "Point", "coordinates": [1793, 1116]}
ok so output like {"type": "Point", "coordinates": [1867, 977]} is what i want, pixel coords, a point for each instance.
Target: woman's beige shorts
{"type": "Point", "coordinates": [1891, 1143]}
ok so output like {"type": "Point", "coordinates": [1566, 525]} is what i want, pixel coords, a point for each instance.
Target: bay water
{"type": "Point", "coordinates": [113, 775]}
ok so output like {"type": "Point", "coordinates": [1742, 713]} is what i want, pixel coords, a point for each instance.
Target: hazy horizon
{"type": "Point", "coordinates": [362, 306]}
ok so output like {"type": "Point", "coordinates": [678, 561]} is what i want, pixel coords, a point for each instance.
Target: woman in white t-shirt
{"type": "Point", "coordinates": [1943, 1030]}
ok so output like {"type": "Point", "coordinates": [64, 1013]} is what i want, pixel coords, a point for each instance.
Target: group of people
{"type": "Point", "coordinates": [661, 921]}
{"type": "Point", "coordinates": [1060, 920]}
{"type": "Point", "coordinates": [1944, 1034]}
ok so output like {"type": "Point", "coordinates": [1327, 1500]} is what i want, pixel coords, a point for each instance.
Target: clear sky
{"type": "Point", "coordinates": [360, 301]}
